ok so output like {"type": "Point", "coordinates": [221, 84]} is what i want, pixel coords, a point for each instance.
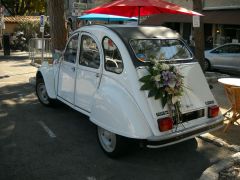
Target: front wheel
{"type": "Point", "coordinates": [207, 65]}
{"type": "Point", "coordinates": [112, 144]}
{"type": "Point", "coordinates": [42, 95]}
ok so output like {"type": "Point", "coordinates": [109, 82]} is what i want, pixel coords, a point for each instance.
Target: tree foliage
{"type": "Point", "coordinates": [24, 7]}
{"type": "Point", "coordinates": [31, 29]}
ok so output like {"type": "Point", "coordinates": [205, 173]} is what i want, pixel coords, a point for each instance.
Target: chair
{"type": "Point", "coordinates": [233, 114]}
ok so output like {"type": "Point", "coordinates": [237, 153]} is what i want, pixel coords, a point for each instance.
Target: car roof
{"type": "Point", "coordinates": [230, 44]}
{"type": "Point", "coordinates": [142, 32]}
{"type": "Point", "coordinates": [128, 32]}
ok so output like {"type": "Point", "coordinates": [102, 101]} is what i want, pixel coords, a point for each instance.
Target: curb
{"type": "Point", "coordinates": [35, 65]}
{"type": "Point", "coordinates": [212, 173]}
{"type": "Point", "coordinates": [32, 81]}
{"type": "Point", "coordinates": [219, 142]}
{"type": "Point", "coordinates": [212, 77]}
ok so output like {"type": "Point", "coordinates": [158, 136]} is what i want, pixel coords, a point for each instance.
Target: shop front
{"type": "Point", "coordinates": [220, 26]}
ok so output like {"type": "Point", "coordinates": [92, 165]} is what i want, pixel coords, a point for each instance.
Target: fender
{"type": "Point", "coordinates": [119, 114]}
{"type": "Point", "coordinates": [47, 72]}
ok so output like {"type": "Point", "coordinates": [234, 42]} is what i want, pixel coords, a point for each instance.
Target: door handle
{"type": "Point", "coordinates": [73, 69]}
{"type": "Point", "coordinates": [97, 74]}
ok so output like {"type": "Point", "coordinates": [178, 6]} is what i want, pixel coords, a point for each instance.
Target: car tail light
{"type": "Point", "coordinates": [165, 124]}
{"type": "Point", "coordinates": [213, 111]}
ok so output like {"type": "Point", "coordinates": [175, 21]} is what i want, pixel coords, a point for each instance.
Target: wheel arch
{"type": "Point", "coordinates": [115, 110]}
{"type": "Point", "coordinates": [48, 78]}
{"type": "Point", "coordinates": [209, 66]}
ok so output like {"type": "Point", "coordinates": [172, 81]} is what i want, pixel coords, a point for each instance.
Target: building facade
{"type": "Point", "coordinates": [221, 21]}
{"type": "Point", "coordinates": [75, 8]}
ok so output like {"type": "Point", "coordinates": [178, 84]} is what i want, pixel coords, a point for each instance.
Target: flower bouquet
{"type": "Point", "coordinates": [164, 82]}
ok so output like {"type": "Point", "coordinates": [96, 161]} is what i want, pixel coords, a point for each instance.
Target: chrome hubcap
{"type": "Point", "coordinates": [42, 93]}
{"type": "Point", "coordinates": [107, 139]}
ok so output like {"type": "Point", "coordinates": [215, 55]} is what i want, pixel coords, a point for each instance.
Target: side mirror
{"type": "Point", "coordinates": [57, 56]}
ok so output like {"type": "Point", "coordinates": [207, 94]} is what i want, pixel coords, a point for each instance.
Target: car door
{"type": "Point", "coordinates": [226, 57]}
{"type": "Point", "coordinates": [217, 60]}
{"type": "Point", "coordinates": [233, 57]}
{"type": "Point", "coordinates": [67, 70]}
{"type": "Point", "coordinates": [88, 71]}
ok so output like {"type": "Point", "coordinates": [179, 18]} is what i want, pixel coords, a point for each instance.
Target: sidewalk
{"type": "Point", "coordinates": [15, 54]}
{"type": "Point", "coordinates": [228, 168]}
{"type": "Point", "coordinates": [22, 68]}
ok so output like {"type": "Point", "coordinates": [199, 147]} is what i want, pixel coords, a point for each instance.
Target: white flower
{"type": "Point", "coordinates": [157, 77]}
{"type": "Point", "coordinates": [172, 83]}
{"type": "Point", "coordinates": [175, 99]}
{"type": "Point", "coordinates": [157, 84]}
{"type": "Point", "coordinates": [153, 60]}
{"type": "Point", "coordinates": [165, 67]}
{"type": "Point", "coordinates": [155, 68]}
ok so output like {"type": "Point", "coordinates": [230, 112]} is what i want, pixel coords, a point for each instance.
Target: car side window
{"type": "Point", "coordinates": [234, 49]}
{"type": "Point", "coordinates": [70, 53]}
{"type": "Point", "coordinates": [89, 53]}
{"type": "Point", "coordinates": [112, 57]}
{"type": "Point", "coordinates": [237, 48]}
{"type": "Point", "coordinates": [223, 49]}
{"type": "Point", "coordinates": [228, 49]}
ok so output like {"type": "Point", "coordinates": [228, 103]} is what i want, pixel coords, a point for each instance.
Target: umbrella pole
{"type": "Point", "coordinates": [139, 14]}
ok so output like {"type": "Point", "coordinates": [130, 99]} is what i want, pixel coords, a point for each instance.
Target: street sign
{"type": "Point", "coordinates": [196, 21]}
{"type": "Point", "coordinates": [42, 29]}
{"type": "Point", "coordinates": [42, 20]}
{"type": "Point", "coordinates": [77, 5]}
{"type": "Point", "coordinates": [77, 8]}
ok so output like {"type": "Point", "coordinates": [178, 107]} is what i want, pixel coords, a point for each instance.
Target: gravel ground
{"type": "Point", "coordinates": [232, 173]}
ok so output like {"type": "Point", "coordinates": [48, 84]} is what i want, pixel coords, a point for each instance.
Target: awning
{"type": "Point", "coordinates": [105, 17]}
{"type": "Point", "coordinates": [211, 17]}
{"type": "Point", "coordinates": [20, 19]}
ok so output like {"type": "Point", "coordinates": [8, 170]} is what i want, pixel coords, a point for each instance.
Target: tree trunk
{"type": "Point", "coordinates": [58, 28]}
{"type": "Point", "coordinates": [198, 35]}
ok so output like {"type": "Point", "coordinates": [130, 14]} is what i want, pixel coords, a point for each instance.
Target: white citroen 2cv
{"type": "Point", "coordinates": [101, 74]}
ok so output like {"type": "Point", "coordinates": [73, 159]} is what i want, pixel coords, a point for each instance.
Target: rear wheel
{"type": "Point", "coordinates": [42, 94]}
{"type": "Point", "coordinates": [112, 144]}
{"type": "Point", "coordinates": [207, 65]}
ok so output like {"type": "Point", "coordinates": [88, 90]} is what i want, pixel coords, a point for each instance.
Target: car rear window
{"type": "Point", "coordinates": [160, 49]}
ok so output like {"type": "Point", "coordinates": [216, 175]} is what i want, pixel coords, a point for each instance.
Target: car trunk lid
{"type": "Point", "coordinates": [196, 97]}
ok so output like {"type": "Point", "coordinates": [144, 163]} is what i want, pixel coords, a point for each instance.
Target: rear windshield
{"type": "Point", "coordinates": [160, 49]}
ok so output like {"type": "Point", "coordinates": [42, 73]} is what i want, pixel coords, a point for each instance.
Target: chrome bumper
{"type": "Point", "coordinates": [182, 135]}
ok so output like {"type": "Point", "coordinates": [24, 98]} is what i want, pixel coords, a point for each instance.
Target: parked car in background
{"type": "Point", "coordinates": [99, 75]}
{"type": "Point", "coordinates": [225, 58]}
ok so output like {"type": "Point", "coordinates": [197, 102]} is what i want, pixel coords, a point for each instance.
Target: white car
{"type": "Point", "coordinates": [225, 58]}
{"type": "Point", "coordinates": [98, 75]}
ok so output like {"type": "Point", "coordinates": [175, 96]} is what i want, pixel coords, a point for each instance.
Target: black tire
{"type": "Point", "coordinates": [207, 65]}
{"type": "Point", "coordinates": [120, 146]}
{"type": "Point", "coordinates": [42, 94]}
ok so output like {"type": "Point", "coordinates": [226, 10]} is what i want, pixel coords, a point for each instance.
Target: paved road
{"type": "Point", "coordinates": [58, 143]}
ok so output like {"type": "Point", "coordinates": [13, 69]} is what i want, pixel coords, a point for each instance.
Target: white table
{"type": "Point", "coordinates": [232, 90]}
{"type": "Point", "coordinates": [230, 81]}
